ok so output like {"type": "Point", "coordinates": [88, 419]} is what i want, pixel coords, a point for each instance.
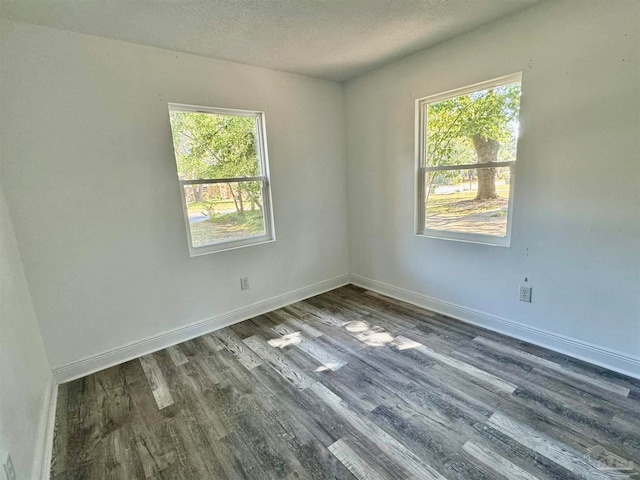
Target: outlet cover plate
{"type": "Point", "coordinates": [525, 294]}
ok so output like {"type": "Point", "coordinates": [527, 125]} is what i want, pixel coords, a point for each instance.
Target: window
{"type": "Point", "coordinates": [221, 158]}
{"type": "Point", "coordinates": [466, 155]}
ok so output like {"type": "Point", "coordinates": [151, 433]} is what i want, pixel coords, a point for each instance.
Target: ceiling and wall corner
{"type": "Point", "coordinates": [332, 39]}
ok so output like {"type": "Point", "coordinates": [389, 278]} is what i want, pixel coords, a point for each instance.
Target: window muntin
{"type": "Point", "coordinates": [466, 155]}
{"type": "Point", "coordinates": [221, 161]}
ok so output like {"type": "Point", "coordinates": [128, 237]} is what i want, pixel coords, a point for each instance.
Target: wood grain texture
{"type": "Point", "coordinates": [292, 337]}
{"type": "Point", "coordinates": [349, 384]}
{"type": "Point", "coordinates": [360, 468]}
{"type": "Point", "coordinates": [233, 343]}
{"type": "Point", "coordinates": [596, 382]}
{"type": "Point", "coordinates": [556, 451]}
{"type": "Point", "coordinates": [416, 467]}
{"type": "Point", "coordinates": [177, 357]}
{"type": "Point", "coordinates": [493, 381]}
{"type": "Point", "coordinates": [156, 380]}
{"type": "Point", "coordinates": [279, 362]}
{"type": "Point", "coordinates": [306, 328]}
{"type": "Point", "coordinates": [495, 462]}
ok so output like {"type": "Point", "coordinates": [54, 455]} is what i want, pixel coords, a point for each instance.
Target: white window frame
{"type": "Point", "coordinates": [263, 162]}
{"type": "Point", "coordinates": [421, 124]}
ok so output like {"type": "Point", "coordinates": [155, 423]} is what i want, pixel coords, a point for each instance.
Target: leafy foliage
{"type": "Point", "coordinates": [215, 146]}
{"type": "Point", "coordinates": [487, 114]}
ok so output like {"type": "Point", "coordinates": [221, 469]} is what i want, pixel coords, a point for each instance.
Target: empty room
{"type": "Point", "coordinates": [319, 239]}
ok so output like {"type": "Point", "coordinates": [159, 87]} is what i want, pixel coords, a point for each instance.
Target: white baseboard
{"type": "Point", "coordinates": [595, 354]}
{"type": "Point", "coordinates": [44, 447]}
{"type": "Point", "coordinates": [119, 355]}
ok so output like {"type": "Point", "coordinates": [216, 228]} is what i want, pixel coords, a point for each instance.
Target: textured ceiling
{"type": "Point", "coordinates": [330, 39]}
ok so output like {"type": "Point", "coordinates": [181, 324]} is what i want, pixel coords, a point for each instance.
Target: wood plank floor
{"type": "Point", "coordinates": [349, 384]}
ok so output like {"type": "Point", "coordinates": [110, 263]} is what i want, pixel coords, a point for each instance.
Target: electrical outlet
{"type": "Point", "coordinates": [525, 294]}
{"type": "Point", "coordinates": [9, 470]}
{"type": "Point", "coordinates": [244, 283]}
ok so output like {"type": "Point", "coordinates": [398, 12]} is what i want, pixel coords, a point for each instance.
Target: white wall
{"type": "Point", "coordinates": [91, 182]}
{"type": "Point", "coordinates": [576, 222]}
{"type": "Point", "coordinates": [24, 371]}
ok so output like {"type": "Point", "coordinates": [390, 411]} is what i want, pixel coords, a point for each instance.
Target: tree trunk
{"type": "Point", "coordinates": [254, 201]}
{"type": "Point", "coordinates": [233, 195]}
{"type": "Point", "coordinates": [487, 150]}
{"type": "Point", "coordinates": [240, 201]}
{"type": "Point", "coordinates": [197, 193]}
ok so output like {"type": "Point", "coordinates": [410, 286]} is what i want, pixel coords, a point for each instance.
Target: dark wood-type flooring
{"type": "Point", "coordinates": [349, 384]}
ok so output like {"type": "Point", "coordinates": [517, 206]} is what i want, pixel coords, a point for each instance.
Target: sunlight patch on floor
{"type": "Point", "coordinates": [286, 340]}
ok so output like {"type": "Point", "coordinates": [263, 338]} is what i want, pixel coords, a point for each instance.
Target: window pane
{"type": "Point", "coordinates": [213, 145]}
{"type": "Point", "coordinates": [221, 212]}
{"type": "Point", "coordinates": [469, 201]}
{"type": "Point", "coordinates": [477, 127]}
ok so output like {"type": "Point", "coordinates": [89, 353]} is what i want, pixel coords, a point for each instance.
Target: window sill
{"type": "Point", "coordinates": [466, 237]}
{"type": "Point", "coordinates": [230, 245]}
